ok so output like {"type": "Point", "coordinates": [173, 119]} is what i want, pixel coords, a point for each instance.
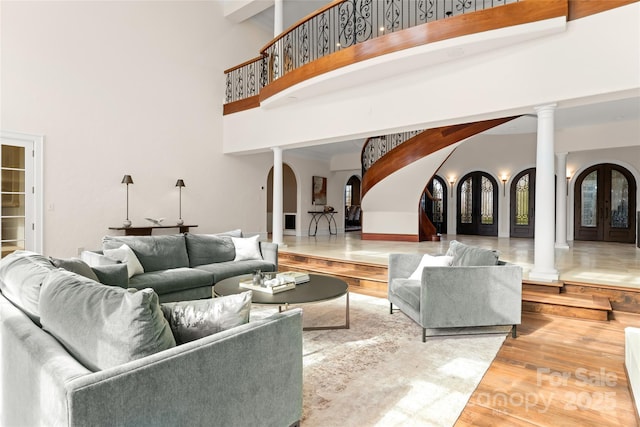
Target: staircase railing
{"type": "Point", "coordinates": [339, 25]}
{"type": "Point", "coordinates": [376, 147]}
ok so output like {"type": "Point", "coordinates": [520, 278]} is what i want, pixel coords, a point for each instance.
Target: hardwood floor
{"type": "Point", "coordinates": [558, 372]}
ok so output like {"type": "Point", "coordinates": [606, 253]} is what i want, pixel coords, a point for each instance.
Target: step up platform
{"type": "Point", "coordinates": [568, 305]}
{"type": "Point", "coordinates": [366, 278]}
{"type": "Point", "coordinates": [554, 287]}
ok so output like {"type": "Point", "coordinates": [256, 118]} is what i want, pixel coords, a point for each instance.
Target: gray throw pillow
{"type": "Point", "coordinates": [75, 265]}
{"type": "Point", "coordinates": [206, 249]}
{"type": "Point", "coordinates": [468, 256]}
{"type": "Point", "coordinates": [102, 326]}
{"type": "Point", "coordinates": [191, 320]}
{"type": "Point", "coordinates": [21, 277]}
{"type": "Point", "coordinates": [112, 275]}
{"type": "Point", "coordinates": [155, 253]}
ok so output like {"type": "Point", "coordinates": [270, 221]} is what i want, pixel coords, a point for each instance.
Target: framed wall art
{"type": "Point", "coordinates": [319, 195]}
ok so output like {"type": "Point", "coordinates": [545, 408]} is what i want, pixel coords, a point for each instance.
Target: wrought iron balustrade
{"type": "Point", "coordinates": [378, 146]}
{"type": "Point", "coordinates": [339, 25]}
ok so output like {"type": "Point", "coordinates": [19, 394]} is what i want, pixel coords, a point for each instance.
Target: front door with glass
{"type": "Point", "coordinates": [605, 204]}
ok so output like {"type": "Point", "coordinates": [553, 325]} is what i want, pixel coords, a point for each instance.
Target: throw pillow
{"type": "Point", "coordinates": [191, 320]}
{"type": "Point", "coordinates": [75, 265]}
{"type": "Point", "coordinates": [21, 276]}
{"type": "Point", "coordinates": [209, 248]}
{"type": "Point", "coordinates": [430, 261]}
{"type": "Point", "coordinates": [467, 256]}
{"type": "Point", "coordinates": [126, 255]}
{"type": "Point", "coordinates": [247, 248]}
{"type": "Point", "coordinates": [102, 326]}
{"type": "Point", "coordinates": [112, 275]}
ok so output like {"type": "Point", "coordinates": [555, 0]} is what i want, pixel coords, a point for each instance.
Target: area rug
{"type": "Point", "coordinates": [380, 373]}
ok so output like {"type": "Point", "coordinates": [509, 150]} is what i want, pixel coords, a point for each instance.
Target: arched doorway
{"type": "Point", "coordinates": [477, 205]}
{"type": "Point", "coordinates": [352, 217]}
{"type": "Point", "coordinates": [523, 195]}
{"type": "Point", "coordinates": [605, 204]}
{"type": "Point", "coordinates": [434, 204]}
{"type": "Point", "coordinates": [289, 200]}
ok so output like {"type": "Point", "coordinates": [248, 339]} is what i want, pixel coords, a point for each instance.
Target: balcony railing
{"type": "Point", "coordinates": [339, 25]}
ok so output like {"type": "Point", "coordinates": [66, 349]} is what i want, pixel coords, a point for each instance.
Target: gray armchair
{"type": "Point", "coordinates": [455, 297]}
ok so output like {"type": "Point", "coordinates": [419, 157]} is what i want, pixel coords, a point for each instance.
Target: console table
{"type": "Point", "coordinates": [316, 216]}
{"type": "Point", "coordinates": [146, 230]}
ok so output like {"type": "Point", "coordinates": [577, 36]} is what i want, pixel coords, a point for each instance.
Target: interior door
{"type": "Point", "coordinates": [605, 204]}
{"type": "Point", "coordinates": [17, 213]}
{"type": "Point", "coordinates": [523, 190]}
{"type": "Point", "coordinates": [435, 207]}
{"type": "Point", "coordinates": [477, 205]}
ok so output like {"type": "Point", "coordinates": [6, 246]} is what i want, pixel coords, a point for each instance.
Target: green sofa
{"type": "Point", "coordinates": [184, 266]}
{"type": "Point", "coordinates": [248, 375]}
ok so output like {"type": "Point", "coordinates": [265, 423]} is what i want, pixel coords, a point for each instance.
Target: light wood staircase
{"type": "Point", "coordinates": [567, 299]}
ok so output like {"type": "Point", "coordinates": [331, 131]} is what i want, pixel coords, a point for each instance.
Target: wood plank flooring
{"type": "Point", "coordinates": [558, 372]}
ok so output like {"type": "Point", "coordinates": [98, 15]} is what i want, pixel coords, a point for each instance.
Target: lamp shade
{"type": "Point", "coordinates": [180, 183]}
{"type": "Point", "coordinates": [127, 180]}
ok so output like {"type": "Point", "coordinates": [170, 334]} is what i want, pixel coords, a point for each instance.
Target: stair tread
{"type": "Point", "coordinates": [337, 271]}
{"type": "Point", "coordinates": [555, 283]}
{"type": "Point", "coordinates": [595, 303]}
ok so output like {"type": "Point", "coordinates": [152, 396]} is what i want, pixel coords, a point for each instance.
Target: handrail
{"type": "Point", "coordinates": [421, 145]}
{"type": "Point", "coordinates": [342, 24]}
{"type": "Point", "coordinates": [300, 22]}
{"type": "Point", "coordinates": [576, 9]}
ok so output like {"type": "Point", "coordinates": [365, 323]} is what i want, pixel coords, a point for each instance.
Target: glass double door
{"type": "Point", "coordinates": [605, 196]}
{"type": "Point", "coordinates": [477, 205]}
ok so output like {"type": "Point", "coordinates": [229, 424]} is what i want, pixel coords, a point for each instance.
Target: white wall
{"type": "Point", "coordinates": [135, 88]}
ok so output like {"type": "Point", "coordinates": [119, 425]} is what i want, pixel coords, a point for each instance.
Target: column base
{"type": "Point", "coordinates": [562, 246]}
{"type": "Point", "coordinates": [544, 275]}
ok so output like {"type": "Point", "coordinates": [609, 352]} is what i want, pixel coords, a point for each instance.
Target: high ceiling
{"type": "Point", "coordinates": [565, 117]}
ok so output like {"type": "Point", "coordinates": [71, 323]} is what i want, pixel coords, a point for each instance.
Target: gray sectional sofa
{"type": "Point", "coordinates": [51, 320]}
{"type": "Point", "coordinates": [184, 266]}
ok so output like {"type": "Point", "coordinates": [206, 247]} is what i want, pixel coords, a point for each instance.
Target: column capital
{"type": "Point", "coordinates": [276, 149]}
{"type": "Point", "coordinates": [545, 107]}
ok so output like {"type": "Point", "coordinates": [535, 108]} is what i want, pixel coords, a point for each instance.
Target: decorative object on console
{"type": "Point", "coordinates": [319, 196]}
{"type": "Point", "coordinates": [127, 180]}
{"type": "Point", "coordinates": [156, 222]}
{"type": "Point", "coordinates": [180, 184]}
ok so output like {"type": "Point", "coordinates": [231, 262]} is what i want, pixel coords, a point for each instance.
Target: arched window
{"type": "Point", "coordinates": [477, 205]}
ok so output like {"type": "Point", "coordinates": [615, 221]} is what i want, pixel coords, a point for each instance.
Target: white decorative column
{"type": "Point", "coordinates": [278, 18]}
{"type": "Point", "coordinates": [278, 210]}
{"type": "Point", "coordinates": [561, 201]}
{"type": "Point", "coordinates": [544, 254]}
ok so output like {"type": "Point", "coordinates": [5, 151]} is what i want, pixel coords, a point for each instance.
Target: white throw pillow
{"type": "Point", "coordinates": [430, 261]}
{"type": "Point", "coordinates": [126, 255]}
{"type": "Point", "coordinates": [247, 248]}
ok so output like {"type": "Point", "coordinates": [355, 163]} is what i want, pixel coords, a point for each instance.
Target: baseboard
{"type": "Point", "coordinates": [390, 237]}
